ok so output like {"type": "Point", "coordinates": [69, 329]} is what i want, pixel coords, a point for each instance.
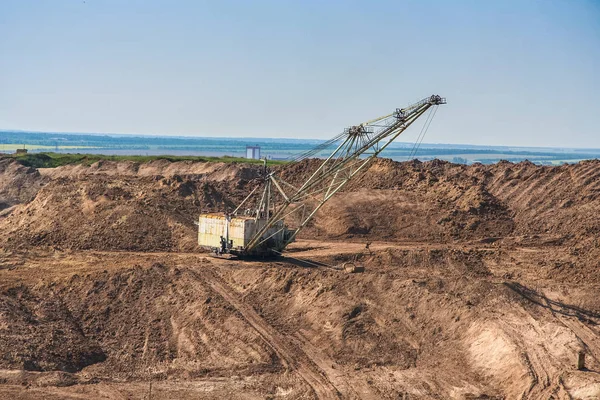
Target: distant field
{"type": "Point", "coordinates": [14, 147]}
{"type": "Point", "coordinates": [104, 146]}
{"type": "Point", "coordinates": [53, 160]}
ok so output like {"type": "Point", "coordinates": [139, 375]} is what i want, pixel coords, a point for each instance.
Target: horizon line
{"type": "Point", "coordinates": [166, 136]}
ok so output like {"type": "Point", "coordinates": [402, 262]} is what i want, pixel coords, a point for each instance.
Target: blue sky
{"type": "Point", "coordinates": [520, 73]}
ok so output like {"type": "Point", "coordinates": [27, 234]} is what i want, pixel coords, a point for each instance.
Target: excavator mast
{"type": "Point", "coordinates": [260, 230]}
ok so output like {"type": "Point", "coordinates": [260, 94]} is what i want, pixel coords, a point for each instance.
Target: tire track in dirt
{"type": "Point", "coordinates": [530, 191]}
{"type": "Point", "coordinates": [544, 384]}
{"type": "Point", "coordinates": [293, 358]}
{"type": "Point", "coordinates": [357, 389]}
{"type": "Point", "coordinates": [588, 174]}
{"type": "Point", "coordinates": [546, 375]}
{"type": "Point", "coordinates": [587, 337]}
{"type": "Point", "coordinates": [585, 334]}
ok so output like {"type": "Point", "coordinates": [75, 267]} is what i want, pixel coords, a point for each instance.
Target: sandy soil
{"type": "Point", "coordinates": [480, 282]}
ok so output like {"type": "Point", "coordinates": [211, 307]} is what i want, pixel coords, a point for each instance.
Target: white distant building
{"type": "Point", "coordinates": [253, 152]}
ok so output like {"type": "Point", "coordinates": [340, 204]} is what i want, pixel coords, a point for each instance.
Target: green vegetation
{"type": "Point", "coordinates": [52, 160]}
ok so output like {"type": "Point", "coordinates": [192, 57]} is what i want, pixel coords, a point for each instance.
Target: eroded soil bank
{"type": "Point", "coordinates": [480, 282]}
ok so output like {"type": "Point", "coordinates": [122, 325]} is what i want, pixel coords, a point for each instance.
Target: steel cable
{"type": "Point", "coordinates": [422, 134]}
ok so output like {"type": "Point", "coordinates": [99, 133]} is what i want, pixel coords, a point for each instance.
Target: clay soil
{"type": "Point", "coordinates": [480, 282]}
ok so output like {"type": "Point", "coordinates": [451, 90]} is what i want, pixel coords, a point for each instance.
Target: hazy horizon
{"type": "Point", "coordinates": [275, 148]}
{"type": "Point", "coordinates": [232, 137]}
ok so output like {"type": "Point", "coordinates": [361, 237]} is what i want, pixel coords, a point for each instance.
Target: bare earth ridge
{"type": "Point", "coordinates": [481, 282]}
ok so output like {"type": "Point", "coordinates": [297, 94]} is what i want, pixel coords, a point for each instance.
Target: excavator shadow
{"type": "Point", "coordinates": [302, 263]}
{"type": "Point", "coordinates": [587, 316]}
{"type": "Point", "coordinates": [290, 261]}
{"type": "Point", "coordinates": [301, 249]}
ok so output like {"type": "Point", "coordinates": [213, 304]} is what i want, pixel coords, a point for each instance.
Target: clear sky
{"type": "Point", "coordinates": [514, 72]}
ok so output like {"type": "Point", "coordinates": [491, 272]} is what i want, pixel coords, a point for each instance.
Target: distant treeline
{"type": "Point", "coordinates": [277, 148]}
{"type": "Point", "coordinates": [135, 142]}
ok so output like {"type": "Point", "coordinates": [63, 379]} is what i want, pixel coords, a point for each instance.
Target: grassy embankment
{"type": "Point", "coordinates": [52, 160]}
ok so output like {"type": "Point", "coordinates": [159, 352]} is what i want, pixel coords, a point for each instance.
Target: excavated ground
{"type": "Point", "coordinates": [480, 282]}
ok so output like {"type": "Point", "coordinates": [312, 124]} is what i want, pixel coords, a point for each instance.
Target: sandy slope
{"type": "Point", "coordinates": [481, 282]}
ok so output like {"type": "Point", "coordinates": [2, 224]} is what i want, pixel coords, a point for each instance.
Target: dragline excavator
{"type": "Point", "coordinates": [281, 209]}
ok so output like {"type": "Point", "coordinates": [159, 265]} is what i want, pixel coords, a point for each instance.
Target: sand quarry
{"type": "Point", "coordinates": [480, 282]}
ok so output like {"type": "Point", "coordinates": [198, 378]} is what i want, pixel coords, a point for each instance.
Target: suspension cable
{"type": "Point", "coordinates": [422, 134]}
{"type": "Point", "coordinates": [412, 151]}
{"type": "Point", "coordinates": [426, 130]}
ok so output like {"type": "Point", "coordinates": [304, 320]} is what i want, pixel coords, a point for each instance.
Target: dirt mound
{"type": "Point", "coordinates": [421, 323]}
{"type": "Point", "coordinates": [442, 201]}
{"type": "Point", "coordinates": [153, 206]}
{"type": "Point", "coordinates": [140, 322]}
{"type": "Point", "coordinates": [43, 335]}
{"type": "Point", "coordinates": [481, 283]}
{"type": "Point", "coordinates": [213, 171]}
{"type": "Point", "coordinates": [124, 213]}
{"type": "Point", "coordinates": [117, 205]}
{"type": "Point", "coordinates": [164, 318]}
{"type": "Point", "coordinates": [549, 200]}
{"type": "Point", "coordinates": [425, 321]}
{"type": "Point", "coordinates": [433, 201]}
{"type": "Point", "coordinates": [18, 184]}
